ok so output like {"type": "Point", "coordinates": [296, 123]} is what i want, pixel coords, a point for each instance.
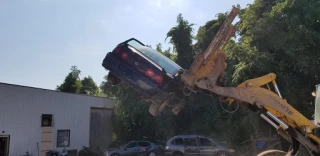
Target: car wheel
{"type": "Point", "coordinates": [222, 154]}
{"type": "Point", "coordinates": [152, 153]}
{"type": "Point", "coordinates": [115, 155]}
{"type": "Point", "coordinates": [156, 108]}
{"type": "Point", "coordinates": [177, 154]}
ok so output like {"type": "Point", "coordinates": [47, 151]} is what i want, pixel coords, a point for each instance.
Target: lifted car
{"type": "Point", "coordinates": [153, 75]}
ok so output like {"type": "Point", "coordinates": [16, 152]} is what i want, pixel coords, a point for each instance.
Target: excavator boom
{"type": "Point", "coordinates": [204, 62]}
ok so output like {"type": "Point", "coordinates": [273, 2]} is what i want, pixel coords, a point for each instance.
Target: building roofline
{"type": "Point", "coordinates": [10, 84]}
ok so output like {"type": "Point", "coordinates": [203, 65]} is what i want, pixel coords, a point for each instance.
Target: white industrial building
{"type": "Point", "coordinates": [36, 120]}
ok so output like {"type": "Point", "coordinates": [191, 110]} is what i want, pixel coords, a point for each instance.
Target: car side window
{"type": "Point", "coordinates": [191, 142]}
{"type": "Point", "coordinates": [177, 141]}
{"type": "Point", "coordinates": [205, 142]}
{"type": "Point", "coordinates": [131, 145]}
{"type": "Point", "coordinates": [143, 144]}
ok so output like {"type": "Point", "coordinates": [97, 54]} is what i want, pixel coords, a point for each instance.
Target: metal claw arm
{"type": "Point", "coordinates": [207, 71]}
{"type": "Point", "coordinates": [262, 98]}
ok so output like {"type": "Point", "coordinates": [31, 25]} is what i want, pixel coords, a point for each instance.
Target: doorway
{"type": "Point", "coordinates": [100, 129]}
{"type": "Point", "coordinates": [4, 145]}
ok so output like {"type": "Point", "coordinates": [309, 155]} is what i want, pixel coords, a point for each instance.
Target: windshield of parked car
{"type": "Point", "coordinates": [169, 66]}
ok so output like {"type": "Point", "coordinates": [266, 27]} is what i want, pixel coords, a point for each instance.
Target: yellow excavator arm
{"type": "Point", "coordinates": [207, 71]}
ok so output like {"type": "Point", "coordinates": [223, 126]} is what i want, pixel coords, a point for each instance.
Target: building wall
{"type": "Point", "coordinates": [20, 116]}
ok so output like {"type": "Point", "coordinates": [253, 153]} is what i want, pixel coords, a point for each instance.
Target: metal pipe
{"type": "Point", "coordinates": [276, 87]}
{"type": "Point", "coordinates": [278, 120]}
{"type": "Point", "coordinates": [269, 121]}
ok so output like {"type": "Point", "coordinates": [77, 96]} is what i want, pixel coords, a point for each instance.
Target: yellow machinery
{"type": "Point", "coordinates": [207, 71]}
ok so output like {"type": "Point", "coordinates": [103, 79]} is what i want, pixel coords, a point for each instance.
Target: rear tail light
{"type": "Point", "coordinates": [149, 72]}
{"type": "Point", "coordinates": [158, 79]}
{"type": "Point", "coordinates": [118, 50]}
{"type": "Point", "coordinates": [121, 52]}
{"type": "Point", "coordinates": [124, 55]}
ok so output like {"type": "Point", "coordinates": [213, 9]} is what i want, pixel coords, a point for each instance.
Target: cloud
{"type": "Point", "coordinates": [169, 4]}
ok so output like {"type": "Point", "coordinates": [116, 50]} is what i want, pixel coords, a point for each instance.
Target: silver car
{"type": "Point", "coordinates": [137, 148]}
{"type": "Point", "coordinates": [195, 145]}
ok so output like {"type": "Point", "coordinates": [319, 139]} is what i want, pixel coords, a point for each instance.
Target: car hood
{"type": "Point", "coordinates": [113, 149]}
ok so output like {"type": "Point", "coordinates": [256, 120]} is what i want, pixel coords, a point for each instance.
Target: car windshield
{"type": "Point", "coordinates": [169, 66]}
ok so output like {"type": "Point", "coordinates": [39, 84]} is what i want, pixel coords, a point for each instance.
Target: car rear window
{"type": "Point", "coordinates": [205, 142]}
{"type": "Point", "coordinates": [169, 66]}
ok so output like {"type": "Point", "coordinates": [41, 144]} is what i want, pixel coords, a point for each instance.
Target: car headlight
{"type": "Point", "coordinates": [106, 153]}
{"type": "Point", "coordinates": [167, 147]}
{"type": "Point", "coordinates": [231, 150]}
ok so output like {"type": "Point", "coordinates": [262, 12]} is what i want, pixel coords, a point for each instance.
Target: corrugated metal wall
{"type": "Point", "coordinates": [20, 116]}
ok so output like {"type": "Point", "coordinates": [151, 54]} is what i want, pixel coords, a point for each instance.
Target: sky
{"type": "Point", "coordinates": [41, 39]}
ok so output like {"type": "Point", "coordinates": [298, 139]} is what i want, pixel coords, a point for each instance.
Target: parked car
{"type": "Point", "coordinates": [153, 75]}
{"type": "Point", "coordinates": [195, 145]}
{"type": "Point", "coordinates": [137, 148]}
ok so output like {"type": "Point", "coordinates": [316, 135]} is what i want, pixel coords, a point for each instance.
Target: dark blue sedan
{"type": "Point", "coordinates": [154, 76]}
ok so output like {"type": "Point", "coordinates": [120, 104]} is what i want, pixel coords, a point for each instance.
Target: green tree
{"type": "Point", "coordinates": [132, 119]}
{"type": "Point", "coordinates": [181, 38]}
{"type": "Point", "coordinates": [167, 52]}
{"type": "Point", "coordinates": [72, 83]}
{"type": "Point", "coordinates": [89, 87]}
{"type": "Point", "coordinates": [281, 36]}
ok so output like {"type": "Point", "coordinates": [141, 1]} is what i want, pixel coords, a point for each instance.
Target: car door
{"type": "Point", "coordinates": [206, 146]}
{"type": "Point", "coordinates": [131, 149]}
{"type": "Point", "coordinates": [191, 147]}
{"type": "Point", "coordinates": [143, 147]}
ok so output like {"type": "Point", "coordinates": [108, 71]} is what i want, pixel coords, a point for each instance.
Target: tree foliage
{"type": "Point", "coordinates": [89, 87]}
{"type": "Point", "coordinates": [73, 84]}
{"type": "Point", "coordinates": [181, 38]}
{"type": "Point", "coordinates": [282, 37]}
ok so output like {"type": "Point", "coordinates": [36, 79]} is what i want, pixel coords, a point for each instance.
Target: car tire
{"type": "Point", "coordinates": [155, 108]}
{"type": "Point", "coordinates": [152, 153]}
{"type": "Point", "coordinates": [222, 154]}
{"type": "Point", "coordinates": [115, 155]}
{"type": "Point", "coordinates": [177, 154]}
